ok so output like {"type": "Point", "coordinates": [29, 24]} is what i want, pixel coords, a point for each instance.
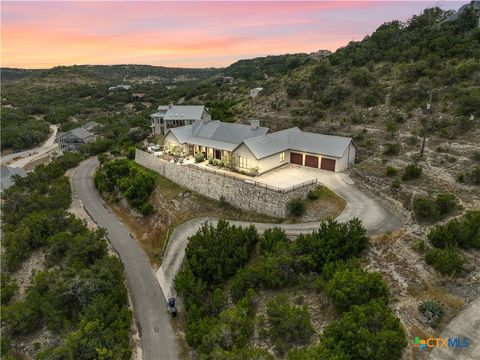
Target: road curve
{"type": "Point", "coordinates": [27, 156]}
{"type": "Point", "coordinates": [158, 339]}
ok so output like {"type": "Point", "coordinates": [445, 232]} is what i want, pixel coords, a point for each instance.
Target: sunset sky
{"type": "Point", "coordinates": [44, 34]}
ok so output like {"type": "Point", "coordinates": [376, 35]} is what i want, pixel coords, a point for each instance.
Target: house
{"type": "Point", "coordinates": [120, 87]}
{"type": "Point", "coordinates": [73, 139]}
{"type": "Point", "coordinates": [170, 116]}
{"type": "Point", "coordinates": [91, 126]}
{"type": "Point", "coordinates": [256, 149]}
{"type": "Point", "coordinates": [7, 176]}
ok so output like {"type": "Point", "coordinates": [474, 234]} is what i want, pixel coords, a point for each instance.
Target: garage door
{"type": "Point", "coordinates": [328, 164]}
{"type": "Point", "coordinates": [296, 158]}
{"type": "Point", "coordinates": [311, 161]}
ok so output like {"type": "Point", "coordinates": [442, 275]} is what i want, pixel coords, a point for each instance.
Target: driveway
{"type": "Point", "coordinates": [376, 218]}
{"type": "Point", "coordinates": [28, 156]}
{"type": "Point", "coordinates": [157, 336]}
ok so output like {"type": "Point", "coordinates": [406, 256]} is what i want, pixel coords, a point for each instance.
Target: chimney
{"type": "Point", "coordinates": [170, 105]}
{"type": "Point", "coordinates": [254, 124]}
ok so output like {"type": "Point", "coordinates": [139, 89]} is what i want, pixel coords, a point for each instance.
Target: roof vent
{"type": "Point", "coordinates": [254, 124]}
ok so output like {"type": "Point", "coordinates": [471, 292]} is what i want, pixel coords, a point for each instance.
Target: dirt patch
{"type": "Point", "coordinates": [24, 275]}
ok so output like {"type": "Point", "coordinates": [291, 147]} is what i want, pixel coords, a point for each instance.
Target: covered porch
{"type": "Point", "coordinates": [209, 152]}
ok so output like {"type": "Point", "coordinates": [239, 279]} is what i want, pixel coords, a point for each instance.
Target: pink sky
{"type": "Point", "coordinates": [44, 34]}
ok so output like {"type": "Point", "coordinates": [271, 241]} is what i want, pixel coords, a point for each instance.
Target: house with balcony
{"type": "Point", "coordinates": [256, 149]}
{"type": "Point", "coordinates": [73, 139]}
{"type": "Point", "coordinates": [171, 116]}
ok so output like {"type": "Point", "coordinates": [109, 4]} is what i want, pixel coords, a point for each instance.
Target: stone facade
{"type": "Point", "coordinates": [238, 193]}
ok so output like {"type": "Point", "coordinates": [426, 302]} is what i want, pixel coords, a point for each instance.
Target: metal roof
{"type": "Point", "coordinates": [297, 140]}
{"type": "Point", "coordinates": [188, 112]}
{"type": "Point", "coordinates": [77, 132]}
{"type": "Point", "coordinates": [221, 135]}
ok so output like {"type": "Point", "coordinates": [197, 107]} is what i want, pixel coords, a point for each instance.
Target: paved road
{"type": "Point", "coordinates": [158, 338]}
{"type": "Point", "coordinates": [375, 217]}
{"type": "Point", "coordinates": [465, 325]}
{"type": "Point", "coordinates": [47, 146]}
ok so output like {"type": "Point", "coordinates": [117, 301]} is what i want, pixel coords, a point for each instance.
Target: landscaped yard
{"type": "Point", "coordinates": [175, 205]}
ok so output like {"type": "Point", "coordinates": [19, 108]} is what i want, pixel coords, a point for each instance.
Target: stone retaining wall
{"type": "Point", "coordinates": [240, 194]}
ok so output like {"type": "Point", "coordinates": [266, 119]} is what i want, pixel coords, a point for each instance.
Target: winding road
{"type": "Point", "coordinates": [27, 156]}
{"type": "Point", "coordinates": [158, 339]}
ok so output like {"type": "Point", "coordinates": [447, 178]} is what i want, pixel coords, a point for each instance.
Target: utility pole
{"type": "Point", "coordinates": [425, 123]}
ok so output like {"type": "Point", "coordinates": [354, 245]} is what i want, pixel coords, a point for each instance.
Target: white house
{"type": "Point", "coordinates": [170, 116]}
{"type": "Point", "coordinates": [257, 149]}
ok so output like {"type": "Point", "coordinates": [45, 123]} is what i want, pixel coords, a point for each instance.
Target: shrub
{"type": "Point", "coordinates": [199, 157]}
{"type": "Point", "coordinates": [446, 203]}
{"type": "Point", "coordinates": [464, 232]}
{"type": "Point", "coordinates": [425, 208]}
{"type": "Point", "coordinates": [350, 287]}
{"type": "Point", "coordinates": [271, 238]}
{"type": "Point", "coordinates": [288, 325]}
{"type": "Point", "coordinates": [446, 261]}
{"type": "Point", "coordinates": [411, 171]}
{"type": "Point", "coordinates": [313, 195]}
{"type": "Point", "coordinates": [147, 209]}
{"type": "Point", "coordinates": [296, 207]}
{"type": "Point", "coordinates": [392, 149]}
{"type": "Point", "coordinates": [131, 153]}
{"type": "Point", "coordinates": [433, 312]}
{"type": "Point", "coordinates": [391, 171]}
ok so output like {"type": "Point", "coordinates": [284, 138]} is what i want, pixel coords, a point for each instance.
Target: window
{"type": "Point", "coordinates": [282, 156]}
{"type": "Point", "coordinates": [243, 162]}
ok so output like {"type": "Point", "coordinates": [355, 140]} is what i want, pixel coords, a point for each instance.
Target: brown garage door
{"type": "Point", "coordinates": [328, 164]}
{"type": "Point", "coordinates": [311, 161]}
{"type": "Point", "coordinates": [296, 158]}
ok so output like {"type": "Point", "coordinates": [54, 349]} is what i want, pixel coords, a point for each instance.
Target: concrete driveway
{"type": "Point", "coordinates": [375, 217]}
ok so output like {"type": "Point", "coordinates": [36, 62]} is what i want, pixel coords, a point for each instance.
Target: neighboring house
{"type": "Point", "coordinates": [120, 87]}
{"type": "Point", "coordinates": [91, 126]}
{"type": "Point", "coordinates": [7, 174]}
{"type": "Point", "coordinates": [258, 150]}
{"type": "Point", "coordinates": [73, 139]}
{"type": "Point", "coordinates": [170, 116]}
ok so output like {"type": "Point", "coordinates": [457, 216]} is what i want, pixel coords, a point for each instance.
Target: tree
{"type": "Point", "coordinates": [350, 287]}
{"type": "Point", "coordinates": [366, 332]}
{"type": "Point", "coordinates": [288, 325]}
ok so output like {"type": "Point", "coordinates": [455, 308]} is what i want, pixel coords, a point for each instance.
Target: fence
{"type": "Point", "coordinates": [251, 181]}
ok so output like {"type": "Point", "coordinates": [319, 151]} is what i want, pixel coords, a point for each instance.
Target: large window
{"type": "Point", "coordinates": [243, 164]}
{"type": "Point", "coordinates": [282, 156]}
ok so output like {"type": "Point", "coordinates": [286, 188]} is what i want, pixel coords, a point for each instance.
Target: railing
{"type": "Point", "coordinates": [251, 181]}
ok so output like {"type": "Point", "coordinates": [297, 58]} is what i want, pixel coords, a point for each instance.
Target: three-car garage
{"type": "Point", "coordinates": [312, 161]}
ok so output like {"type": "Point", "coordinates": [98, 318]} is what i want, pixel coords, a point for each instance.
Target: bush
{"type": "Point", "coordinates": [391, 171]}
{"type": "Point", "coordinates": [464, 232]}
{"type": "Point", "coordinates": [447, 260]}
{"type": "Point", "coordinates": [433, 311]}
{"type": "Point", "coordinates": [131, 152]}
{"type": "Point", "coordinates": [288, 325]}
{"type": "Point", "coordinates": [392, 149]}
{"type": "Point", "coordinates": [350, 287]}
{"type": "Point", "coordinates": [147, 209]}
{"type": "Point", "coordinates": [313, 195]}
{"type": "Point", "coordinates": [411, 171]}
{"type": "Point", "coordinates": [425, 208]}
{"type": "Point", "coordinates": [446, 203]}
{"type": "Point", "coordinates": [296, 207]}
{"type": "Point", "coordinates": [271, 238]}
{"type": "Point", "coordinates": [199, 157]}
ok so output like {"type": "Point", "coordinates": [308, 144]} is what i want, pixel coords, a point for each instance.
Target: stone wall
{"type": "Point", "coordinates": [240, 194]}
